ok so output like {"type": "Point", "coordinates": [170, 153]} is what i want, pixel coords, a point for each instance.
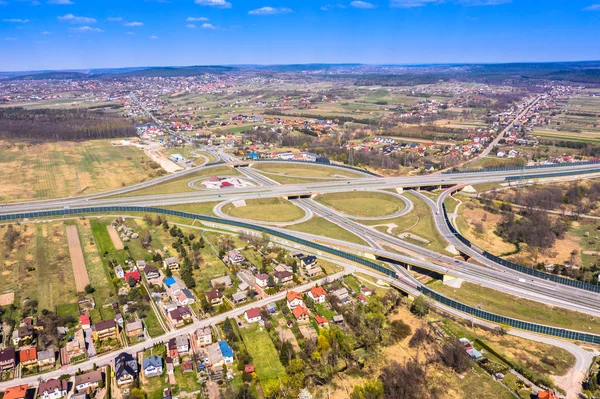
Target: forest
{"type": "Point", "coordinates": [62, 124]}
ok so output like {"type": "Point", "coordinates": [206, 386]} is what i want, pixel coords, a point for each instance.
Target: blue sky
{"type": "Point", "coordinates": [79, 34]}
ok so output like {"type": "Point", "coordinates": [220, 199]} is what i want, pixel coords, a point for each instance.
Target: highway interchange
{"type": "Point", "coordinates": [480, 270]}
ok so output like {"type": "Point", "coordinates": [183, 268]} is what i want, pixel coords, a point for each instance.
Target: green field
{"type": "Point", "coordinates": [292, 173]}
{"type": "Point", "coordinates": [264, 355]}
{"type": "Point", "coordinates": [323, 227]}
{"type": "Point", "coordinates": [180, 184]}
{"type": "Point", "coordinates": [266, 210]}
{"type": "Point", "coordinates": [203, 208]}
{"type": "Point", "coordinates": [418, 222]}
{"type": "Point", "coordinates": [39, 266]}
{"type": "Point", "coordinates": [362, 203]}
{"type": "Point", "coordinates": [51, 170]}
{"type": "Point", "coordinates": [101, 235]}
{"type": "Point", "coordinates": [519, 308]}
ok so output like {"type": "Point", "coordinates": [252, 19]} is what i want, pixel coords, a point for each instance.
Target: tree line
{"type": "Point", "coordinates": [62, 124]}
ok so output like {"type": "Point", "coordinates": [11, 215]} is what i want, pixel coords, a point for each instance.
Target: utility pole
{"type": "Point", "coordinates": [76, 182]}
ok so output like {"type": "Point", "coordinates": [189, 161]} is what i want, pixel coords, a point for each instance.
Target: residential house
{"type": "Point", "coordinates": [226, 351]}
{"type": "Point", "coordinates": [338, 319]}
{"type": "Point", "coordinates": [182, 343]}
{"type": "Point", "coordinates": [317, 294]}
{"type": "Point", "coordinates": [126, 369]}
{"type": "Point", "coordinates": [133, 276]}
{"type": "Point", "coordinates": [366, 291]}
{"type": "Point", "coordinates": [151, 272]}
{"type": "Point", "coordinates": [76, 347]}
{"type": "Point", "coordinates": [16, 392]}
{"type": "Point", "coordinates": [235, 257]}
{"type": "Point", "coordinates": [134, 328]}
{"type": "Point", "coordinates": [79, 395]}
{"type": "Point", "coordinates": [152, 366]}
{"type": "Point", "coordinates": [548, 394]}
{"type": "Point", "coordinates": [24, 332]}
{"type": "Point", "coordinates": [104, 329]}
{"type": "Point", "coordinates": [185, 297]}
{"type": "Point", "coordinates": [28, 356]}
{"type": "Point", "coordinates": [252, 315]}
{"type": "Point", "coordinates": [294, 299]}
{"type": "Point", "coordinates": [308, 261]}
{"type": "Point", "coordinates": [243, 286]}
{"type": "Point", "coordinates": [262, 280]}
{"type": "Point", "coordinates": [313, 271]}
{"type": "Point", "coordinates": [180, 316]}
{"type": "Point", "coordinates": [271, 307]}
{"type": "Point", "coordinates": [362, 299]}
{"type": "Point", "coordinates": [284, 277]}
{"type": "Point", "coordinates": [239, 297]}
{"type": "Point", "coordinates": [171, 263]}
{"type": "Point", "coordinates": [8, 359]}
{"type": "Point", "coordinates": [141, 264]}
{"type": "Point", "coordinates": [203, 336]}
{"type": "Point", "coordinates": [224, 281]}
{"type": "Point", "coordinates": [214, 297]}
{"type": "Point", "coordinates": [85, 322]}
{"type": "Point", "coordinates": [301, 314]}
{"type": "Point", "coordinates": [119, 272]}
{"type": "Point", "coordinates": [88, 380]}
{"type": "Point", "coordinates": [46, 358]}
{"type": "Point", "coordinates": [341, 295]}
{"type": "Point", "coordinates": [321, 321]}
{"type": "Point", "coordinates": [246, 277]}
{"type": "Point", "coordinates": [169, 306]}
{"type": "Point", "coordinates": [53, 389]}
{"type": "Point", "coordinates": [170, 365]}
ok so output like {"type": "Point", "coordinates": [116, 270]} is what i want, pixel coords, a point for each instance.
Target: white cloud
{"type": "Point", "coordinates": [361, 4]}
{"type": "Point", "coordinates": [33, 3]}
{"type": "Point", "coordinates": [60, 2]}
{"type": "Point", "coordinates": [593, 7]}
{"type": "Point", "coordinates": [422, 3]}
{"type": "Point", "coordinates": [10, 39]}
{"type": "Point", "coordinates": [129, 33]}
{"type": "Point", "coordinates": [209, 26]}
{"type": "Point", "coordinates": [328, 7]}
{"type": "Point", "coordinates": [46, 33]}
{"type": "Point", "coordinates": [214, 3]}
{"type": "Point", "coordinates": [16, 20]}
{"type": "Point", "coordinates": [134, 24]}
{"type": "Point", "coordinates": [77, 20]}
{"type": "Point", "coordinates": [114, 19]}
{"type": "Point", "coordinates": [191, 26]}
{"type": "Point", "coordinates": [196, 19]}
{"type": "Point", "coordinates": [153, 37]}
{"type": "Point", "coordinates": [270, 11]}
{"type": "Point", "coordinates": [86, 29]}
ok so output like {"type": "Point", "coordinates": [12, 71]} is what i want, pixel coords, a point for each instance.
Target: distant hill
{"type": "Point", "coordinates": [52, 75]}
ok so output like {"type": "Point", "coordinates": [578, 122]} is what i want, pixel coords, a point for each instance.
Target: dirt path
{"type": "Point", "coordinates": [82, 279]}
{"type": "Point", "coordinates": [162, 160]}
{"type": "Point", "coordinates": [114, 236]}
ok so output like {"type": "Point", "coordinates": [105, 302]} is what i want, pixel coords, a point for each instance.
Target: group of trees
{"type": "Point", "coordinates": [10, 237]}
{"type": "Point", "coordinates": [62, 124]}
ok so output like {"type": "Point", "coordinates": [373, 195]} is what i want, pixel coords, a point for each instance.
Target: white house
{"type": "Point", "coordinates": [252, 315]}
{"type": "Point", "coordinates": [53, 389]}
{"type": "Point", "coordinates": [152, 366]}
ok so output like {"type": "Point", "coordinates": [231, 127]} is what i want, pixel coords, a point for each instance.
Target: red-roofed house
{"type": "Point", "coordinates": [321, 321]}
{"type": "Point", "coordinates": [18, 392]}
{"type": "Point", "coordinates": [136, 276]}
{"type": "Point", "coordinates": [85, 321]}
{"type": "Point", "coordinates": [294, 299]}
{"type": "Point", "coordinates": [301, 314]}
{"type": "Point", "coordinates": [28, 356]}
{"type": "Point", "coordinates": [362, 299]}
{"type": "Point", "coordinates": [317, 294]}
{"type": "Point", "coordinates": [252, 315]}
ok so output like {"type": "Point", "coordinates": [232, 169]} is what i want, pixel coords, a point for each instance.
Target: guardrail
{"type": "Point", "coordinates": [508, 169]}
{"type": "Point", "coordinates": [521, 269]}
{"type": "Point", "coordinates": [503, 320]}
{"type": "Point", "coordinates": [550, 174]}
{"type": "Point", "coordinates": [538, 328]}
